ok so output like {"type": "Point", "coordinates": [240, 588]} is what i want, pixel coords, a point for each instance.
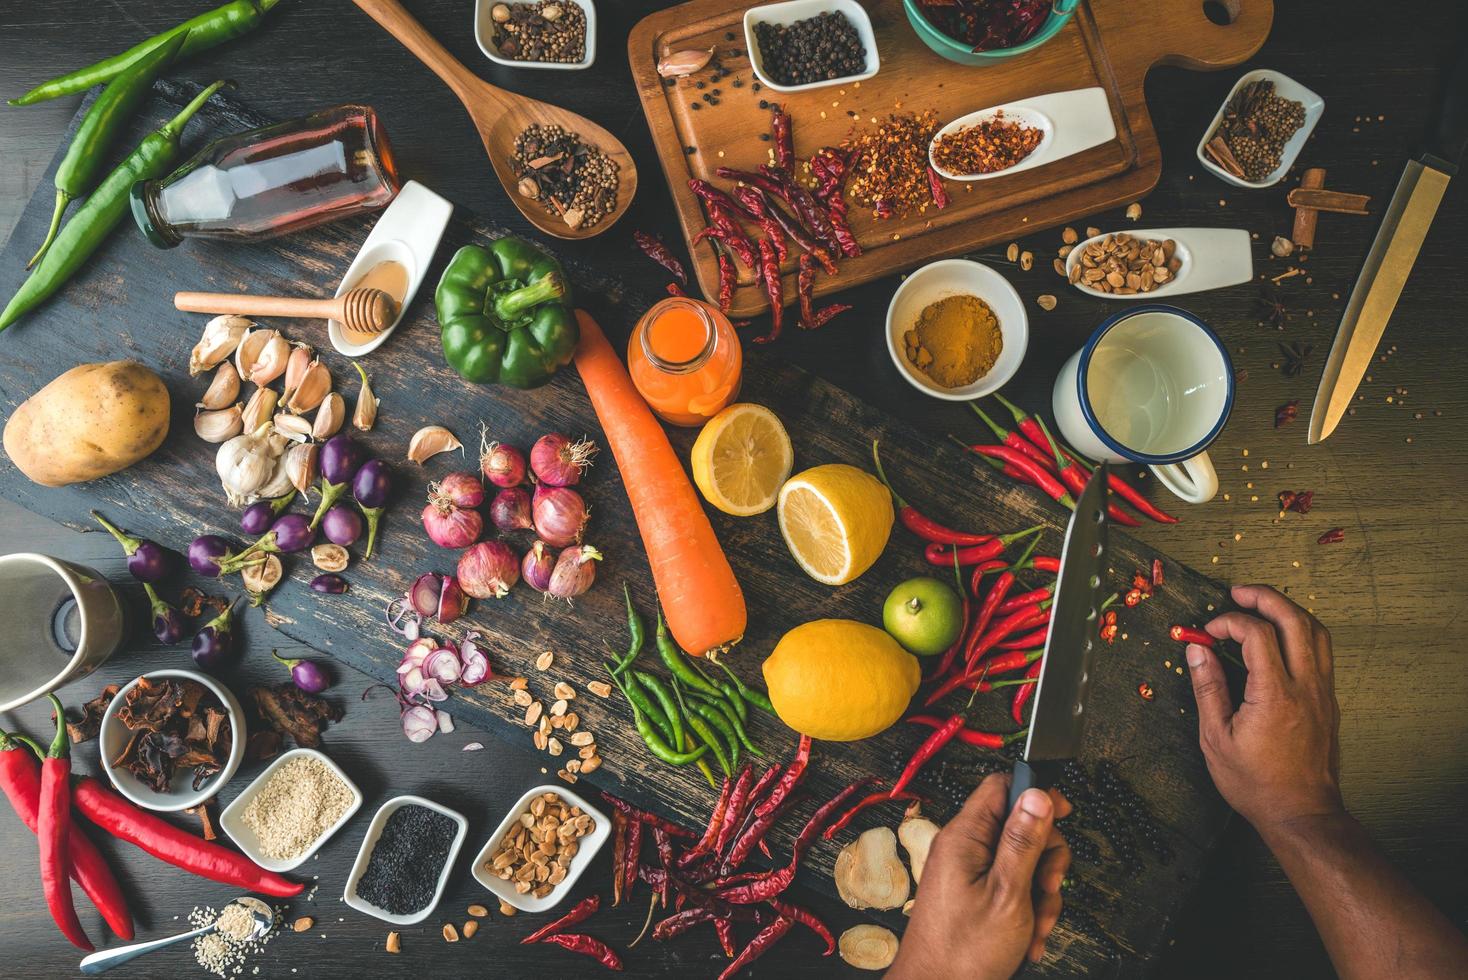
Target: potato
{"type": "Point", "coordinates": [93, 420]}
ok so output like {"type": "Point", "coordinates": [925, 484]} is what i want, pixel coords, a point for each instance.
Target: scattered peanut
{"type": "Point", "coordinates": [1045, 302]}
{"type": "Point", "coordinates": [532, 713]}
{"type": "Point", "coordinates": [478, 911]}
{"type": "Point", "coordinates": [544, 661]}
{"type": "Point", "coordinates": [1068, 235]}
{"type": "Point", "coordinates": [582, 738]}
{"type": "Point", "coordinates": [303, 924]}
{"type": "Point", "coordinates": [394, 943]}
{"type": "Point", "coordinates": [506, 908]}
{"type": "Point", "coordinates": [1133, 211]}
{"type": "Point", "coordinates": [470, 928]}
{"type": "Point", "coordinates": [1027, 260]}
{"type": "Point", "coordinates": [565, 691]}
{"type": "Point", "coordinates": [450, 934]}
{"type": "Point", "coordinates": [600, 688]}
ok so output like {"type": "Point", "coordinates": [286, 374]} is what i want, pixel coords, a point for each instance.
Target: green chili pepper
{"type": "Point", "coordinates": [705, 733]}
{"type": "Point", "coordinates": [660, 748]}
{"type": "Point", "coordinates": [659, 690]}
{"type": "Point", "coordinates": [638, 699]}
{"type": "Point", "coordinates": [754, 697]}
{"type": "Point", "coordinates": [731, 695]}
{"type": "Point", "coordinates": [505, 314]}
{"type": "Point", "coordinates": [720, 724]}
{"type": "Point", "coordinates": [103, 123]}
{"type": "Point", "coordinates": [731, 717]}
{"type": "Point", "coordinates": [205, 31]}
{"type": "Point", "coordinates": [101, 212]}
{"type": "Point", "coordinates": [703, 764]}
{"type": "Point", "coordinates": [636, 632]}
{"type": "Point", "coordinates": [678, 663]}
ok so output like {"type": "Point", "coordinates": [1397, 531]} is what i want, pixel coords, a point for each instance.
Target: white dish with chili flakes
{"type": "Point", "coordinates": [1209, 258]}
{"type": "Point", "coordinates": [1069, 122]}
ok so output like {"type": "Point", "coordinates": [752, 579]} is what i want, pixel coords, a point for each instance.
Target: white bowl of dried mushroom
{"type": "Point", "coordinates": [1158, 262]}
{"type": "Point", "coordinates": [533, 822]}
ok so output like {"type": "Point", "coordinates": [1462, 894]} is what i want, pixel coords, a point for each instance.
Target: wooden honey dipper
{"type": "Point", "coordinates": [363, 311]}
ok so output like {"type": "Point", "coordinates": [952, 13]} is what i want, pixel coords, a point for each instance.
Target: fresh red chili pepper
{"type": "Point", "coordinates": [769, 269]}
{"type": "Point", "coordinates": [1042, 478]}
{"type": "Point", "coordinates": [808, 919]}
{"type": "Point", "coordinates": [1075, 477]}
{"type": "Point", "coordinates": [53, 831]}
{"type": "Point", "coordinates": [828, 313]}
{"type": "Point", "coordinates": [168, 843]}
{"type": "Point", "coordinates": [1334, 536]}
{"type": "Point", "coordinates": [724, 929]}
{"type": "Point", "coordinates": [681, 922]}
{"type": "Point", "coordinates": [767, 937]}
{"type": "Point", "coordinates": [935, 185]}
{"type": "Point", "coordinates": [1011, 660]}
{"type": "Point", "coordinates": [728, 278]}
{"type": "Point", "coordinates": [1029, 640]}
{"type": "Point", "coordinates": [866, 802]}
{"type": "Point", "coordinates": [753, 204]}
{"type": "Point", "coordinates": [805, 282]}
{"type": "Point", "coordinates": [588, 946]}
{"type": "Point", "coordinates": [619, 855]}
{"type": "Point", "coordinates": [1014, 440]}
{"type": "Point", "coordinates": [734, 814]}
{"type": "Point", "coordinates": [1046, 563]}
{"type": "Point", "coordinates": [20, 779]}
{"type": "Point", "coordinates": [1023, 694]}
{"type": "Point", "coordinates": [976, 580]}
{"type": "Point", "coordinates": [1187, 634]}
{"type": "Point", "coordinates": [1025, 618]}
{"type": "Point", "coordinates": [945, 664]}
{"type": "Point", "coordinates": [939, 554]}
{"type": "Point", "coordinates": [675, 290]}
{"type": "Point", "coordinates": [930, 747]}
{"type": "Point", "coordinates": [972, 736]}
{"type": "Point", "coordinates": [654, 249]}
{"type": "Point", "coordinates": [1014, 602]}
{"type": "Point", "coordinates": [579, 913]}
{"type": "Point", "coordinates": [918, 523]}
{"type": "Point", "coordinates": [780, 129]}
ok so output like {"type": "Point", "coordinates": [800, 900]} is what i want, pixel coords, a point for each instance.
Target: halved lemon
{"type": "Point", "coordinates": [836, 520]}
{"type": "Point", "coordinates": [741, 458]}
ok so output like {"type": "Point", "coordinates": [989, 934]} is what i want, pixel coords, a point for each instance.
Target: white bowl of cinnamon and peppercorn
{"type": "Point", "coordinates": [537, 33]}
{"type": "Point", "coordinates": [957, 330]}
{"type": "Point", "coordinates": [1260, 129]}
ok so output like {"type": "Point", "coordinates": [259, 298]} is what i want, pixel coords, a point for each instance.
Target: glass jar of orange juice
{"type": "Point", "coordinates": [685, 360]}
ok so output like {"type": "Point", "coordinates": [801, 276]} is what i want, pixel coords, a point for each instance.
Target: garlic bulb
{"type": "Point", "coordinates": [222, 389]}
{"type": "Point", "coordinates": [221, 336]}
{"type": "Point", "coordinates": [261, 356]}
{"type": "Point", "coordinates": [219, 424]}
{"type": "Point", "coordinates": [315, 385]}
{"type": "Point", "coordinates": [247, 463]}
{"type": "Point", "coordinates": [280, 482]}
{"type": "Point", "coordinates": [364, 416]}
{"type": "Point", "coordinates": [300, 465]}
{"type": "Point", "coordinates": [329, 417]}
{"type": "Point", "coordinates": [295, 369]}
{"type": "Point", "coordinates": [259, 408]}
{"type": "Point", "coordinates": [430, 441]}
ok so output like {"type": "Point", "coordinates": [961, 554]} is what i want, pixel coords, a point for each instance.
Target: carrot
{"type": "Point", "coordinates": [700, 596]}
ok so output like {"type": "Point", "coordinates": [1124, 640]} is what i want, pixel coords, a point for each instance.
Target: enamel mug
{"type": "Point", "coordinates": [1153, 385]}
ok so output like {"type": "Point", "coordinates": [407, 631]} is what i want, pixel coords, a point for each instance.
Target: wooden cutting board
{"type": "Point", "coordinates": [121, 306]}
{"type": "Point", "coordinates": [1108, 43]}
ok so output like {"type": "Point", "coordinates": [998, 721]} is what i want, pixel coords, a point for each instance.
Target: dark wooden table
{"type": "Point", "coordinates": [1388, 476]}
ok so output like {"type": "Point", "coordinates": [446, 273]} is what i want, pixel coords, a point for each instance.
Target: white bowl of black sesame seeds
{"type": "Point", "coordinates": [805, 44]}
{"type": "Point", "coordinates": [517, 34]}
{"type": "Point", "coordinates": [405, 860]}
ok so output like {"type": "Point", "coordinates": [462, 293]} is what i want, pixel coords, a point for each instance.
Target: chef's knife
{"type": "Point", "coordinates": [1058, 718]}
{"type": "Point", "coordinates": [1403, 227]}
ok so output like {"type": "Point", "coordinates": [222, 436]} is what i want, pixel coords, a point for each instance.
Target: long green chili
{"type": "Point", "coordinates": [705, 734]}
{"type": "Point", "coordinates": [720, 725]}
{"type": "Point", "coordinates": [659, 690]}
{"type": "Point", "coordinates": [731, 717]}
{"type": "Point", "coordinates": [101, 212]}
{"type": "Point", "coordinates": [678, 663]}
{"type": "Point", "coordinates": [105, 120]}
{"type": "Point", "coordinates": [753, 696]}
{"type": "Point", "coordinates": [703, 763]}
{"type": "Point", "coordinates": [636, 634]}
{"type": "Point", "coordinates": [205, 31]}
{"type": "Point", "coordinates": [731, 695]}
{"type": "Point", "coordinates": [660, 748]}
{"type": "Point", "coordinates": [639, 701]}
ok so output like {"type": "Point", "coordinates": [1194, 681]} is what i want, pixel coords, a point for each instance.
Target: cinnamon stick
{"type": "Point", "coordinates": [1336, 202]}
{"type": "Point", "coordinates": [1217, 148]}
{"type": "Point", "coordinates": [1306, 217]}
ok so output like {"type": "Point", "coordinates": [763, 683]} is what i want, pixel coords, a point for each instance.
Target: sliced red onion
{"type": "Point", "coordinates": [560, 515]}
{"type": "Point", "coordinates": [451, 600]}
{"type": "Point", "coordinates": [476, 664]}
{"type": "Point", "coordinates": [419, 723]}
{"type": "Point", "coordinates": [412, 681]}
{"type": "Point", "coordinates": [419, 650]}
{"type": "Point", "coordinates": [443, 665]}
{"type": "Point", "coordinates": [433, 690]}
{"type": "Point", "coordinates": [445, 723]}
{"type": "Point", "coordinates": [473, 746]}
{"type": "Point", "coordinates": [403, 619]}
{"type": "Point", "coordinates": [424, 593]}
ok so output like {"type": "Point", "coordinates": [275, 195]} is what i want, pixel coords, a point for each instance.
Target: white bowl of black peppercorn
{"type": "Point", "coordinates": [792, 11]}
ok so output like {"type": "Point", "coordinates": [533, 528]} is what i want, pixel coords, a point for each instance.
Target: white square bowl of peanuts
{"type": "Point", "coordinates": [531, 837]}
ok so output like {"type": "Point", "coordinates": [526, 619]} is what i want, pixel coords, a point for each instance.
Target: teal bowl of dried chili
{"type": "Point", "coordinates": [995, 29]}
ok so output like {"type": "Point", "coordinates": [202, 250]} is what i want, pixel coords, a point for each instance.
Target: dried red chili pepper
{"type": "Point", "coordinates": [633, 857]}
{"type": "Point", "coordinates": [780, 130]}
{"type": "Point", "coordinates": [734, 812]}
{"type": "Point", "coordinates": [766, 886]}
{"type": "Point", "coordinates": [935, 186]}
{"type": "Point", "coordinates": [654, 249]}
{"type": "Point", "coordinates": [705, 843]}
{"type": "Point", "coordinates": [728, 279]}
{"type": "Point", "coordinates": [805, 282]}
{"type": "Point", "coordinates": [1156, 573]}
{"type": "Point", "coordinates": [789, 779]}
{"type": "Point", "coordinates": [753, 204]}
{"type": "Point", "coordinates": [769, 268]}
{"type": "Point", "coordinates": [1023, 694]}
{"type": "Point", "coordinates": [680, 922]}
{"type": "Point", "coordinates": [826, 314]}
{"type": "Point", "coordinates": [723, 221]}
{"type": "Point", "coordinates": [768, 184]}
{"type": "Point", "coordinates": [587, 946]}
{"type": "Point", "coordinates": [798, 234]}
{"type": "Point", "coordinates": [829, 166]}
{"type": "Point", "coordinates": [643, 816]}
{"type": "Point", "coordinates": [674, 289]}
{"type": "Point", "coordinates": [871, 800]}
{"type": "Point", "coordinates": [808, 919]}
{"type": "Point", "coordinates": [767, 937]}
{"type": "Point", "coordinates": [1334, 536]}
{"type": "Point", "coordinates": [1287, 413]}
{"type": "Point", "coordinates": [1187, 634]}
{"type": "Point", "coordinates": [619, 855]}
{"type": "Point", "coordinates": [579, 913]}
{"type": "Point", "coordinates": [807, 209]}
{"type": "Point", "coordinates": [664, 846]}
{"type": "Point", "coordinates": [724, 929]}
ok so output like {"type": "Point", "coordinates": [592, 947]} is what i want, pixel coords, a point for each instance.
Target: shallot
{"type": "Point", "coordinates": [560, 515]}
{"type": "Point", "coordinates": [510, 510]}
{"type": "Point", "coordinates": [488, 570]}
{"type": "Point", "coordinates": [558, 461]}
{"type": "Point", "coordinates": [502, 465]}
{"type": "Point", "coordinates": [574, 572]}
{"type": "Point", "coordinates": [476, 662]}
{"type": "Point", "coordinates": [537, 566]}
{"type": "Point", "coordinates": [462, 489]}
{"type": "Point", "coordinates": [419, 723]}
{"type": "Point", "coordinates": [443, 665]}
{"type": "Point", "coordinates": [451, 526]}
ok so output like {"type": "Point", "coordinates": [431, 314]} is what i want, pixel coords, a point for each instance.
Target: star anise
{"type": "Point", "coordinates": [1271, 309]}
{"type": "Point", "coordinates": [1295, 356]}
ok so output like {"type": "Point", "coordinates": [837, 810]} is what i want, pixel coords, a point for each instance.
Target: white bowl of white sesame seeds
{"type": "Point", "coordinates": [291, 809]}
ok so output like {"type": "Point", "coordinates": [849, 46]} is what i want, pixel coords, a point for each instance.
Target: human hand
{"type": "Point", "coordinates": [990, 892]}
{"type": "Point", "coordinates": [1274, 758]}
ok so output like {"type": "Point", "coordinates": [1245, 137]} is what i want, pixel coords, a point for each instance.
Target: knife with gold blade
{"type": "Point", "coordinates": [1403, 227]}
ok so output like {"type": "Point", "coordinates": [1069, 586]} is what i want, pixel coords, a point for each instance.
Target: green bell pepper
{"type": "Point", "coordinates": [505, 314]}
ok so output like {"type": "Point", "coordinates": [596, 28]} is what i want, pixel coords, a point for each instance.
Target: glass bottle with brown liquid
{"type": "Point", "coordinates": [267, 182]}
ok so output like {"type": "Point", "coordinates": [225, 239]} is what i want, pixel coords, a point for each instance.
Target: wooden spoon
{"type": "Point", "coordinates": [365, 311]}
{"type": "Point", "coordinates": [501, 116]}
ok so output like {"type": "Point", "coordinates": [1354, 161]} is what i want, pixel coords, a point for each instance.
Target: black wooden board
{"type": "Point", "coordinates": [121, 306]}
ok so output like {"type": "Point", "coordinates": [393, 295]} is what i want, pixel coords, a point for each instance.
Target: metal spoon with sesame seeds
{"type": "Point", "coordinates": [263, 921]}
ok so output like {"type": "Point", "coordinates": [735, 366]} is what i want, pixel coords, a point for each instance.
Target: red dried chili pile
{"type": "Point", "coordinates": [992, 145]}
{"type": "Point", "coordinates": [889, 165]}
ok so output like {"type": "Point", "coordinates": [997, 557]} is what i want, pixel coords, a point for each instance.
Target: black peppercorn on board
{"type": "Point", "coordinates": [1105, 44]}
{"type": "Point", "coordinates": [1147, 812]}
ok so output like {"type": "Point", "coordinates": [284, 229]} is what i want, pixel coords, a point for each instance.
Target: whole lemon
{"type": "Point", "coordinates": [840, 680]}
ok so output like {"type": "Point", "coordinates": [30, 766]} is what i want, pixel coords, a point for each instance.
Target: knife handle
{"type": "Point", "coordinates": [1024, 778]}
{"type": "Point", "coordinates": [1450, 133]}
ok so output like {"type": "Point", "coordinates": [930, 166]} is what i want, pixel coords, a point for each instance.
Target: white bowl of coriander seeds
{"type": "Point", "coordinates": [537, 33]}
{"type": "Point", "coordinates": [291, 809]}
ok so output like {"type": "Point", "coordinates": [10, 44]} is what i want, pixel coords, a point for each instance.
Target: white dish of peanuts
{"type": "Point", "coordinates": [541, 847]}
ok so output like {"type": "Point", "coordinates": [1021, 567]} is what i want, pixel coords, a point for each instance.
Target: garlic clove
{"type": "Point", "coordinates": [329, 417]}
{"type": "Point", "coordinates": [364, 415]}
{"type": "Point", "coordinates": [295, 369]}
{"type": "Point", "coordinates": [279, 483]}
{"type": "Point", "coordinates": [430, 441]}
{"type": "Point", "coordinates": [262, 356]}
{"type": "Point", "coordinates": [223, 387]}
{"type": "Point", "coordinates": [219, 425]}
{"type": "Point", "coordinates": [260, 408]}
{"type": "Point", "coordinates": [300, 465]}
{"type": "Point", "coordinates": [681, 63]}
{"type": "Point", "coordinates": [292, 427]}
{"type": "Point", "coordinates": [222, 335]}
{"type": "Point", "coordinates": [314, 387]}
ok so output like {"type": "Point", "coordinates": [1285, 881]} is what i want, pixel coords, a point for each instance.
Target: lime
{"type": "Point", "coordinates": [924, 615]}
